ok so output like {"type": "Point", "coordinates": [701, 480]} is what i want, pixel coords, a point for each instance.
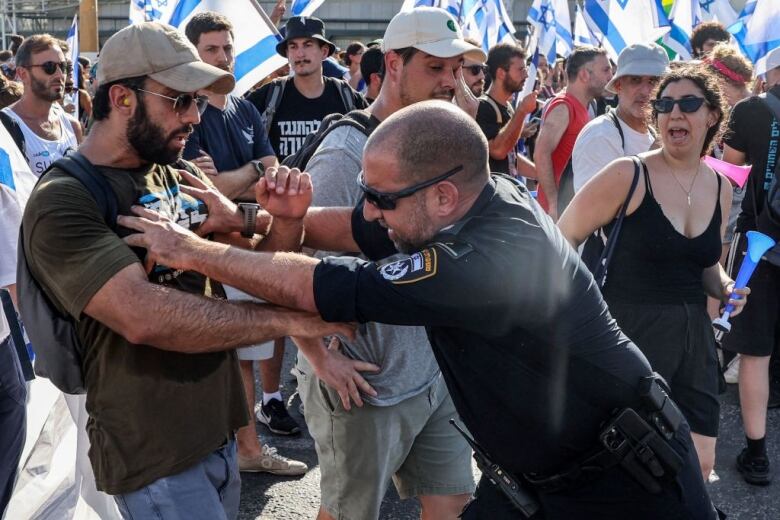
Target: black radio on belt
{"type": "Point", "coordinates": [514, 491]}
{"type": "Point", "coordinates": [663, 413]}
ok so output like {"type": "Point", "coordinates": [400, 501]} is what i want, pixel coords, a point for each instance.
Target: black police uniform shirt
{"type": "Point", "coordinates": [297, 116]}
{"type": "Point", "coordinates": [487, 119]}
{"type": "Point", "coordinates": [232, 137]}
{"type": "Point", "coordinates": [531, 356]}
{"type": "Point", "coordinates": [754, 131]}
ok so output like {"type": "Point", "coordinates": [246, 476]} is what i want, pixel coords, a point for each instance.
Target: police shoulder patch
{"type": "Point", "coordinates": [411, 268]}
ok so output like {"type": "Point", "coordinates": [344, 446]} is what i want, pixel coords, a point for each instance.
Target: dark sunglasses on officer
{"type": "Point", "coordinates": [387, 201]}
{"type": "Point", "coordinates": [50, 67]}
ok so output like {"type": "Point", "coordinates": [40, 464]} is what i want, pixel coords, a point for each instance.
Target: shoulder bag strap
{"type": "Point", "coordinates": [609, 248]}
{"type": "Point", "coordinates": [612, 115]}
{"type": "Point", "coordinates": [76, 165]}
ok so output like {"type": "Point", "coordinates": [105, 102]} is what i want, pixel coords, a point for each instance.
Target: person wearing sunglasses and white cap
{"type": "Point", "coordinates": [47, 131]}
{"type": "Point", "coordinates": [625, 130]}
{"type": "Point", "coordinates": [667, 258]}
{"type": "Point", "coordinates": [163, 387]}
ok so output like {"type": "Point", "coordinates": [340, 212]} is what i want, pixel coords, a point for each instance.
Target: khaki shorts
{"type": "Point", "coordinates": [361, 450]}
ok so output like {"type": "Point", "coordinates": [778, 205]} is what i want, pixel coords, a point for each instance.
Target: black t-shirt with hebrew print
{"type": "Point", "coordinates": [297, 116]}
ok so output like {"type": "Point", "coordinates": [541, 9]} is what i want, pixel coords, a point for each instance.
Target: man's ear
{"type": "Point", "coordinates": [447, 198]}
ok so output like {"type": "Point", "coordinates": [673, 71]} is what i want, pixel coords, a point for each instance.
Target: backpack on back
{"type": "Point", "coordinates": [357, 119]}
{"type": "Point", "coordinates": [58, 350]}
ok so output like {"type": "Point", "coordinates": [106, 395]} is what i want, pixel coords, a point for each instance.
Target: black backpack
{"type": "Point", "coordinates": [357, 119]}
{"type": "Point", "coordinates": [58, 350]}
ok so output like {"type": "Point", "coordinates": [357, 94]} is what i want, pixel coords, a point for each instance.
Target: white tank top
{"type": "Point", "coordinates": [41, 152]}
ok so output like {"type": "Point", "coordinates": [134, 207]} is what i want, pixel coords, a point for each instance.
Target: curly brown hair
{"type": "Point", "coordinates": [737, 66]}
{"type": "Point", "coordinates": [708, 84]}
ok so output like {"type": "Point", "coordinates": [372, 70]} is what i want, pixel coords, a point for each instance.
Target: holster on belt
{"type": "Point", "coordinates": [636, 439]}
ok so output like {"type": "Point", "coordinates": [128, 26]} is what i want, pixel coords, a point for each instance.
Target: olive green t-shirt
{"type": "Point", "coordinates": [152, 413]}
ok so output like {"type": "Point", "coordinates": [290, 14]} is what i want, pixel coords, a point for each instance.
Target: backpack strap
{"type": "Point", "coordinates": [274, 99]}
{"type": "Point", "coordinates": [612, 116]}
{"type": "Point", "coordinates": [78, 166]}
{"type": "Point", "coordinates": [346, 93]}
{"type": "Point", "coordinates": [497, 110]}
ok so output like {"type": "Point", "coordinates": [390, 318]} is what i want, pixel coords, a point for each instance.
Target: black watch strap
{"type": "Point", "coordinates": [250, 218]}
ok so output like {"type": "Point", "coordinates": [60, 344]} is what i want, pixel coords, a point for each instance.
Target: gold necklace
{"type": "Point", "coordinates": [689, 190]}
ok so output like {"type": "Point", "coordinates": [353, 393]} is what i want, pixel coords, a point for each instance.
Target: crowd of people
{"type": "Point", "coordinates": [408, 216]}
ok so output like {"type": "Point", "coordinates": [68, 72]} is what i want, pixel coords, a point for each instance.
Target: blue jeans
{"type": "Point", "coordinates": [211, 490]}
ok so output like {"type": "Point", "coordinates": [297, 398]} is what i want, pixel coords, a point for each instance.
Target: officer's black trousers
{"type": "Point", "coordinates": [614, 495]}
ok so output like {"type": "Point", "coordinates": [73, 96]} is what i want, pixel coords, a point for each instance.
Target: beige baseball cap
{"type": "Point", "coordinates": [162, 53]}
{"type": "Point", "coordinates": [431, 30]}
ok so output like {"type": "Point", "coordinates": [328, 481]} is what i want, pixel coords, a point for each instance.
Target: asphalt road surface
{"type": "Point", "coordinates": [268, 497]}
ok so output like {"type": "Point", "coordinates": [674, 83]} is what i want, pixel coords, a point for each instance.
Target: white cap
{"type": "Point", "coordinates": [773, 59]}
{"type": "Point", "coordinates": [640, 60]}
{"type": "Point", "coordinates": [431, 30]}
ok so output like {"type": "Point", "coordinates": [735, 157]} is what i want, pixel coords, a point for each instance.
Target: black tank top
{"type": "Point", "coordinates": [654, 263]}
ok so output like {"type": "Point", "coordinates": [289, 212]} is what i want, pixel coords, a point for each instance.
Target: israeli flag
{"type": "Point", "coordinates": [151, 10]}
{"type": "Point", "coordinates": [626, 22]}
{"type": "Point", "coordinates": [582, 34]}
{"type": "Point", "coordinates": [73, 44]}
{"type": "Point", "coordinates": [255, 35]}
{"type": "Point", "coordinates": [717, 11]}
{"type": "Point", "coordinates": [756, 31]}
{"type": "Point", "coordinates": [685, 15]}
{"type": "Point", "coordinates": [488, 22]}
{"type": "Point", "coordinates": [304, 7]}
{"type": "Point", "coordinates": [552, 28]}
{"type": "Point", "coordinates": [457, 8]}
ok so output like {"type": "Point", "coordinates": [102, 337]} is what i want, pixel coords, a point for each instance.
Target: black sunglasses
{"type": "Point", "coordinates": [687, 104]}
{"type": "Point", "coordinates": [387, 201]}
{"type": "Point", "coordinates": [182, 102]}
{"type": "Point", "coordinates": [476, 69]}
{"type": "Point", "coordinates": [50, 67]}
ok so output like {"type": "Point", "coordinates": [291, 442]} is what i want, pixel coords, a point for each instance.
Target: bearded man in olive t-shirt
{"type": "Point", "coordinates": [164, 392]}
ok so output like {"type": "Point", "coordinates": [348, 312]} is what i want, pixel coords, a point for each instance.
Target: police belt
{"type": "Point", "coordinates": [636, 439]}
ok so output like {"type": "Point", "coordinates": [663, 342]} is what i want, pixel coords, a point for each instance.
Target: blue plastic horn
{"type": "Point", "coordinates": [758, 244]}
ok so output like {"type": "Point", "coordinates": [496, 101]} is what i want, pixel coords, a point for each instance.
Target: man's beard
{"type": "Point", "coordinates": [149, 140]}
{"type": "Point", "coordinates": [511, 86]}
{"type": "Point", "coordinates": [42, 90]}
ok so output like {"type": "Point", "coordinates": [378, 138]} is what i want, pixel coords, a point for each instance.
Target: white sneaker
{"type": "Point", "coordinates": [269, 461]}
{"type": "Point", "coordinates": [731, 375]}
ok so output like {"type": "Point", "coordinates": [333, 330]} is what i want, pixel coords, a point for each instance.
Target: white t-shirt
{"type": "Point", "coordinates": [599, 144]}
{"type": "Point", "coordinates": [16, 183]}
{"type": "Point", "coordinates": [42, 152]}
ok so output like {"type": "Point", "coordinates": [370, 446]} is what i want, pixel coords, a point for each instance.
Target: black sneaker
{"type": "Point", "coordinates": [755, 470]}
{"type": "Point", "coordinates": [274, 415]}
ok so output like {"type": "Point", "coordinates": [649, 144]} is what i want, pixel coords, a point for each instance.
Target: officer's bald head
{"type": "Point", "coordinates": [428, 138]}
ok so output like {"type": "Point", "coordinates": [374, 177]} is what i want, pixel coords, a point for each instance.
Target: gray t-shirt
{"type": "Point", "coordinates": [403, 353]}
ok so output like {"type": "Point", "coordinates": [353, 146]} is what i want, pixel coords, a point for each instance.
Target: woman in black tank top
{"type": "Point", "coordinates": [666, 259]}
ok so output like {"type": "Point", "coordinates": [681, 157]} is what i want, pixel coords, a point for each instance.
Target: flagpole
{"type": "Point", "coordinates": [265, 16]}
{"type": "Point", "coordinates": [88, 17]}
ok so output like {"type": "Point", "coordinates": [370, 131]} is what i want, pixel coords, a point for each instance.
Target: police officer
{"type": "Point", "coordinates": [533, 360]}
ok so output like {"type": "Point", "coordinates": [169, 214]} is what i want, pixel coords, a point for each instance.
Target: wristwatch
{"type": "Point", "coordinates": [259, 167]}
{"type": "Point", "coordinates": [250, 218]}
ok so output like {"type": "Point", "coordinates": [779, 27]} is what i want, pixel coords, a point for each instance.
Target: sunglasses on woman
{"type": "Point", "coordinates": [387, 201]}
{"type": "Point", "coordinates": [476, 69]}
{"type": "Point", "coordinates": [687, 104]}
{"type": "Point", "coordinates": [182, 102]}
{"type": "Point", "coordinates": [50, 67]}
